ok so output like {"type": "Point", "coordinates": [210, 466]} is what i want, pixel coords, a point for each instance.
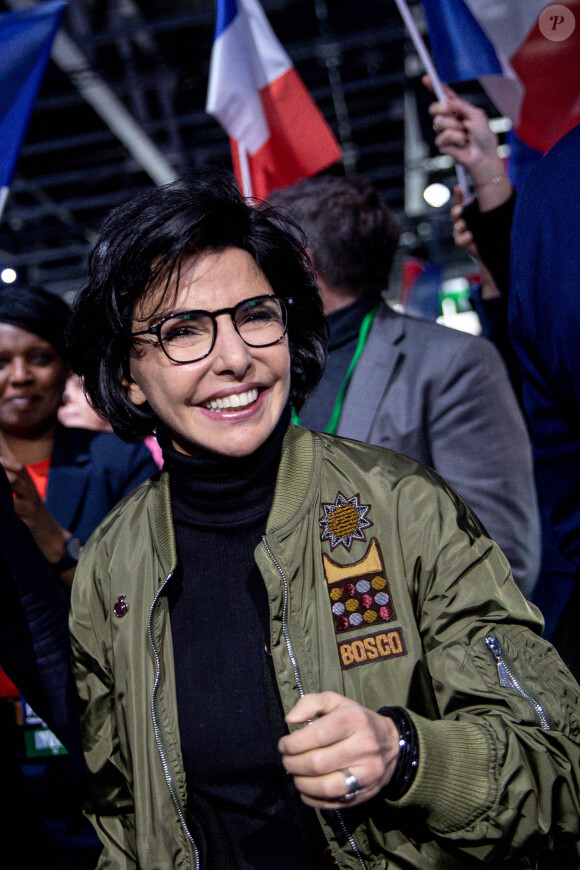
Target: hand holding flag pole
{"type": "Point", "coordinates": [427, 62]}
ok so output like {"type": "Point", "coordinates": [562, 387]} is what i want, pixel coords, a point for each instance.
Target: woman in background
{"type": "Point", "coordinates": [64, 481]}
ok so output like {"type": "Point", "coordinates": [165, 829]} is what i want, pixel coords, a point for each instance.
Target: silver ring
{"type": "Point", "coordinates": [352, 788]}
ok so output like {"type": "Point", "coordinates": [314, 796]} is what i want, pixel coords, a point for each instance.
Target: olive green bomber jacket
{"type": "Point", "coordinates": [383, 587]}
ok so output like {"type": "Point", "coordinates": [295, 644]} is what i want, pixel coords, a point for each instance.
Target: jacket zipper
{"type": "Point", "coordinates": [157, 728]}
{"type": "Point", "coordinates": [300, 687]}
{"type": "Point", "coordinates": [509, 679]}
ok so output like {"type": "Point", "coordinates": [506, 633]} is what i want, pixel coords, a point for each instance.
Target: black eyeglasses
{"type": "Point", "coordinates": [188, 336]}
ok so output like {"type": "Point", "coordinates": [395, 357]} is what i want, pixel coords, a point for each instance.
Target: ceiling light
{"type": "Point", "coordinates": [436, 195]}
{"type": "Point", "coordinates": [8, 276]}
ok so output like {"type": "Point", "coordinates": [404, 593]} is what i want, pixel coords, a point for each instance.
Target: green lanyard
{"type": "Point", "coordinates": [363, 334]}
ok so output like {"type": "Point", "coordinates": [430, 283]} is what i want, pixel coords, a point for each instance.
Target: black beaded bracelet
{"type": "Point", "coordinates": [408, 760]}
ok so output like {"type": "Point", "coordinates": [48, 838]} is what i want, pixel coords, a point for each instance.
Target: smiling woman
{"type": "Point", "coordinates": [218, 378]}
{"type": "Point", "coordinates": [212, 618]}
{"type": "Point", "coordinates": [60, 503]}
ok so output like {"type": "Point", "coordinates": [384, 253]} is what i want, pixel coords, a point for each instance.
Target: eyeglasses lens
{"type": "Point", "coordinates": [261, 321]}
{"type": "Point", "coordinates": [188, 337]}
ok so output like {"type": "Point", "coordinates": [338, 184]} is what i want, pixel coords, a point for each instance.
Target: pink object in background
{"type": "Point", "coordinates": [152, 443]}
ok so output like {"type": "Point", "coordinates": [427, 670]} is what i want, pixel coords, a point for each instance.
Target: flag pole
{"type": "Point", "coordinates": [4, 191]}
{"type": "Point", "coordinates": [431, 71]}
{"type": "Point", "coordinates": [245, 170]}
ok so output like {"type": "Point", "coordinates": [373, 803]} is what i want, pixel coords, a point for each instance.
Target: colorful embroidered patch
{"type": "Point", "coordinates": [387, 644]}
{"type": "Point", "coordinates": [343, 522]}
{"type": "Point", "coordinates": [359, 593]}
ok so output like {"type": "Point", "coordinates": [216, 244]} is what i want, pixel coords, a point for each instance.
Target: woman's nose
{"type": "Point", "coordinates": [230, 352]}
{"type": "Point", "coordinates": [19, 371]}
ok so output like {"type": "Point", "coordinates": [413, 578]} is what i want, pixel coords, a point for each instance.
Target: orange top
{"type": "Point", "coordinates": [39, 474]}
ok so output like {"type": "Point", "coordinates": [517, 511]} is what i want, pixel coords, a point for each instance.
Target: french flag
{"type": "Point", "coordinates": [277, 133]}
{"type": "Point", "coordinates": [526, 54]}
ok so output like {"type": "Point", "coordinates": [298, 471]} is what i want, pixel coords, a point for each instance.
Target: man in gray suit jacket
{"type": "Point", "coordinates": [438, 395]}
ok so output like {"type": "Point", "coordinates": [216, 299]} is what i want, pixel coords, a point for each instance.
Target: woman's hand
{"type": "Point", "coordinates": [340, 737]}
{"type": "Point", "coordinates": [48, 534]}
{"type": "Point", "coordinates": [463, 132]}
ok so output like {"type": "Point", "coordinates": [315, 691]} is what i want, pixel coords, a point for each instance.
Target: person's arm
{"type": "Point", "coordinates": [50, 537]}
{"type": "Point", "coordinates": [489, 302]}
{"type": "Point", "coordinates": [544, 314]}
{"type": "Point", "coordinates": [491, 232]}
{"type": "Point", "coordinates": [110, 807]}
{"type": "Point", "coordinates": [479, 444]}
{"type": "Point", "coordinates": [34, 641]}
{"type": "Point", "coordinates": [498, 772]}
{"type": "Point", "coordinates": [463, 133]}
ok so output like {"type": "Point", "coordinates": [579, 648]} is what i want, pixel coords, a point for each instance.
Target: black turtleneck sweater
{"type": "Point", "coordinates": [344, 326]}
{"type": "Point", "coordinates": [243, 809]}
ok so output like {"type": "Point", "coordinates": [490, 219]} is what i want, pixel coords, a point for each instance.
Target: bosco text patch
{"type": "Point", "coordinates": [388, 644]}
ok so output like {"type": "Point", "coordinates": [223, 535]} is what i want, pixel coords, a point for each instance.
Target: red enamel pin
{"type": "Point", "coordinates": [120, 607]}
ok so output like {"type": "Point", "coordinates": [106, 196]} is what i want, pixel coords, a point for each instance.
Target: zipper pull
{"type": "Point", "coordinates": [494, 646]}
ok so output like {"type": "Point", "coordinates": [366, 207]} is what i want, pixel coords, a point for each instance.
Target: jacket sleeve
{"type": "Point", "coordinates": [544, 315]}
{"type": "Point", "coordinates": [499, 770]}
{"type": "Point", "coordinates": [491, 233]}
{"type": "Point", "coordinates": [110, 806]}
{"type": "Point", "coordinates": [480, 445]}
{"type": "Point", "coordinates": [34, 642]}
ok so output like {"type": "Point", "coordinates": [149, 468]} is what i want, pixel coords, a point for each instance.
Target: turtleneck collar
{"type": "Point", "coordinates": [344, 323]}
{"type": "Point", "coordinates": [213, 490]}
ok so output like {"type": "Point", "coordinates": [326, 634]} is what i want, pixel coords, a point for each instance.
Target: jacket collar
{"type": "Point", "coordinates": [297, 473]}
{"type": "Point", "coordinates": [162, 528]}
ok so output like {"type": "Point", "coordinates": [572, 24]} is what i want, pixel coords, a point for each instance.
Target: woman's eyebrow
{"type": "Point", "coordinates": [159, 314]}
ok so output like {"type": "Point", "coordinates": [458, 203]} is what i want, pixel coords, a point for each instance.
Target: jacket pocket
{"type": "Point", "coordinates": [531, 678]}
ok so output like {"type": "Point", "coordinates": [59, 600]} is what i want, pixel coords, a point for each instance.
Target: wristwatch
{"type": "Point", "coordinates": [72, 553]}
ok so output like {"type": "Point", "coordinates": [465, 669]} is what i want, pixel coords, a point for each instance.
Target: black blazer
{"type": "Point", "coordinates": [34, 638]}
{"type": "Point", "coordinates": [35, 653]}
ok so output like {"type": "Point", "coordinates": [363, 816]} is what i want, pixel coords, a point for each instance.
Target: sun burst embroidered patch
{"type": "Point", "coordinates": [344, 520]}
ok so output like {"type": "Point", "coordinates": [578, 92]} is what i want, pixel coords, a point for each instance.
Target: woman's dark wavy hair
{"type": "Point", "coordinates": [143, 243]}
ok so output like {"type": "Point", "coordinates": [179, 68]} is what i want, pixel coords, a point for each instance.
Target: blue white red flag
{"type": "Point", "coordinates": [26, 39]}
{"type": "Point", "coordinates": [277, 133]}
{"type": "Point", "coordinates": [526, 54]}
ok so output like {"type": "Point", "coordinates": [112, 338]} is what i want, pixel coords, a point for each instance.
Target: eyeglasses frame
{"type": "Point", "coordinates": [155, 329]}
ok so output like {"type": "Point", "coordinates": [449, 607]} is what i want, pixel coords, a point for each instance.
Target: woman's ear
{"type": "Point", "coordinates": [134, 392]}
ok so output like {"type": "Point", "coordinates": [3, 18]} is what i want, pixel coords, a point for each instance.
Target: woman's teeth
{"type": "Point", "coordinates": [236, 400]}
